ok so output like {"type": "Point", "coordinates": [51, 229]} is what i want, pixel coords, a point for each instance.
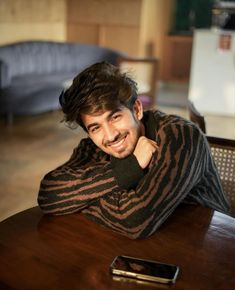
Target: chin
{"type": "Point", "coordinates": [121, 155]}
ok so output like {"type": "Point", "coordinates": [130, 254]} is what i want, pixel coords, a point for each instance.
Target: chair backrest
{"type": "Point", "coordinates": [196, 117]}
{"type": "Point", "coordinates": [145, 72]}
{"type": "Point", "coordinates": [223, 152]}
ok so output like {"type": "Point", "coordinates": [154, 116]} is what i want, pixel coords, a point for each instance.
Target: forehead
{"type": "Point", "coordinates": [101, 116]}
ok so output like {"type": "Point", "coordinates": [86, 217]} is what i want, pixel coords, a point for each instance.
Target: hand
{"type": "Point", "coordinates": [144, 151]}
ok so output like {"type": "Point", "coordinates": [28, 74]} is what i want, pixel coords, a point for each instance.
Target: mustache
{"type": "Point", "coordinates": [117, 138]}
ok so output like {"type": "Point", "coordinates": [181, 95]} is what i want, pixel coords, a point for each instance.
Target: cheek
{"type": "Point", "coordinates": [97, 140]}
{"type": "Point", "coordinates": [134, 127]}
{"type": "Point", "coordinates": [129, 124]}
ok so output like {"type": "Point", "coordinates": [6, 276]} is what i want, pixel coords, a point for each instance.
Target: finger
{"type": "Point", "coordinates": [155, 145]}
{"type": "Point", "coordinates": [153, 142]}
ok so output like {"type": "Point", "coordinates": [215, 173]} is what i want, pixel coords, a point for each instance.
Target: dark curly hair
{"type": "Point", "coordinates": [99, 88]}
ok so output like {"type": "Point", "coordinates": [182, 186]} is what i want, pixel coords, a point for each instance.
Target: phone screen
{"type": "Point", "coordinates": [144, 269]}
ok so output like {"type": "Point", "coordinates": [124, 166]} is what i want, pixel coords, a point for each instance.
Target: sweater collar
{"type": "Point", "coordinates": [149, 121]}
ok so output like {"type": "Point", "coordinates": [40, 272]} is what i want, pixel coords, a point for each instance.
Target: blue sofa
{"type": "Point", "coordinates": [33, 73]}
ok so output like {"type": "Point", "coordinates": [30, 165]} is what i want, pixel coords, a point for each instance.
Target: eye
{"type": "Point", "coordinates": [116, 116]}
{"type": "Point", "coordinates": [94, 129]}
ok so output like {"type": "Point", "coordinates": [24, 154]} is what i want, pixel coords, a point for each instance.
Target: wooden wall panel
{"type": "Point", "coordinates": [176, 61]}
{"type": "Point", "coordinates": [32, 19]}
{"type": "Point", "coordinates": [157, 19]}
{"type": "Point", "coordinates": [124, 12]}
{"type": "Point", "coordinates": [83, 33]}
{"type": "Point", "coordinates": [110, 23]}
{"type": "Point", "coordinates": [11, 32]}
{"type": "Point", "coordinates": [122, 38]}
{"type": "Point", "coordinates": [32, 10]}
{"type": "Point", "coordinates": [116, 37]}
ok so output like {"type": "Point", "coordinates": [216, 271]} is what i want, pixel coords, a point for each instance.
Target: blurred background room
{"type": "Point", "coordinates": [193, 42]}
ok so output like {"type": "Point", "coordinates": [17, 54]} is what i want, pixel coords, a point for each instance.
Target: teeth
{"type": "Point", "coordinates": [117, 144]}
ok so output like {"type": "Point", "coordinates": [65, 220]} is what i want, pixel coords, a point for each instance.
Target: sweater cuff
{"type": "Point", "coordinates": [127, 171]}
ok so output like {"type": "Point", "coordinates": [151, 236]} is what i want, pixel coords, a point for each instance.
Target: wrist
{"type": "Point", "coordinates": [127, 171]}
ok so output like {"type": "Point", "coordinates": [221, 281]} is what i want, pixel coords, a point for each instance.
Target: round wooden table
{"type": "Point", "coordinates": [70, 252]}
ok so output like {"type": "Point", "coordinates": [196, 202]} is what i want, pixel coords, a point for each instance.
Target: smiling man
{"type": "Point", "coordinates": [135, 167]}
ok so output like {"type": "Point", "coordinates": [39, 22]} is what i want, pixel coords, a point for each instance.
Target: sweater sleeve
{"type": "Point", "coordinates": [78, 183]}
{"type": "Point", "coordinates": [178, 166]}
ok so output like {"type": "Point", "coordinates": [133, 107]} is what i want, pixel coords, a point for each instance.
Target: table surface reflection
{"type": "Point", "coordinates": [71, 252]}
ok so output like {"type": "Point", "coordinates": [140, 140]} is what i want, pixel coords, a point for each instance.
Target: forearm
{"type": "Point", "coordinates": [66, 190]}
{"type": "Point", "coordinates": [83, 179]}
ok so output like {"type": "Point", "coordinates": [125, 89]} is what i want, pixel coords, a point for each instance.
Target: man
{"type": "Point", "coordinates": [135, 167]}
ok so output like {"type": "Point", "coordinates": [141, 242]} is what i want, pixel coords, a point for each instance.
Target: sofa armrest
{"type": "Point", "coordinates": [4, 75]}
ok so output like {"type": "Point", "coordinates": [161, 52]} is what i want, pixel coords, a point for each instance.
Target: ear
{"type": "Point", "coordinates": [138, 109]}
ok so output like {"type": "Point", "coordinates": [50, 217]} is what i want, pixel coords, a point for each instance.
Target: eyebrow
{"type": "Point", "coordinates": [108, 117]}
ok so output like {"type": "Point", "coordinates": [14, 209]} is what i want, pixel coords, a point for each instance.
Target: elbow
{"type": "Point", "coordinates": [43, 205]}
{"type": "Point", "coordinates": [51, 204]}
{"type": "Point", "coordinates": [48, 202]}
{"type": "Point", "coordinates": [138, 235]}
{"type": "Point", "coordinates": [136, 231]}
{"type": "Point", "coordinates": [48, 199]}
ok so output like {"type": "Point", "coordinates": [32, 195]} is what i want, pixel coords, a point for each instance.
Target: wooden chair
{"type": "Point", "coordinates": [145, 72]}
{"type": "Point", "coordinates": [223, 152]}
{"type": "Point", "coordinates": [196, 117]}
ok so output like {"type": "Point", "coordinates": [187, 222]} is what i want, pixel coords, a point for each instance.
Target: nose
{"type": "Point", "coordinates": [110, 133]}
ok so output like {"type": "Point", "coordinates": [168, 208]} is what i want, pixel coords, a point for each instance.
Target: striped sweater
{"type": "Point", "coordinates": [118, 194]}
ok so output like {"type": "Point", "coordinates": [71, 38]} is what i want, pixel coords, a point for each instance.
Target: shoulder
{"type": "Point", "coordinates": [161, 120]}
{"type": "Point", "coordinates": [164, 119]}
{"type": "Point", "coordinates": [174, 126]}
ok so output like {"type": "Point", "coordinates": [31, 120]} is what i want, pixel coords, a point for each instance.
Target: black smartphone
{"type": "Point", "coordinates": [147, 270]}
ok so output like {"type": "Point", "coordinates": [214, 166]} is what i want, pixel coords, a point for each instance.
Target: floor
{"type": "Point", "coordinates": [36, 144]}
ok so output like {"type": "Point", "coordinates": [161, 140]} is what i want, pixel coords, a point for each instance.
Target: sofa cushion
{"type": "Point", "coordinates": [32, 93]}
{"type": "Point", "coordinates": [4, 75]}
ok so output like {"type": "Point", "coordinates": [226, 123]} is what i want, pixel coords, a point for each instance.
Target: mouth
{"type": "Point", "coordinates": [118, 144]}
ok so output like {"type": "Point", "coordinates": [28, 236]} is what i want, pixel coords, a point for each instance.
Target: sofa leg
{"type": "Point", "coordinates": [9, 119]}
